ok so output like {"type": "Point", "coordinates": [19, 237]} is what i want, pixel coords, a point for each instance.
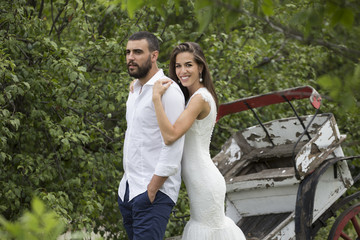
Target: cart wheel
{"type": "Point", "coordinates": [347, 222]}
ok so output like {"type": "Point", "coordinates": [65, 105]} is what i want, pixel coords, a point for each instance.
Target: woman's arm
{"type": "Point", "coordinates": [195, 108]}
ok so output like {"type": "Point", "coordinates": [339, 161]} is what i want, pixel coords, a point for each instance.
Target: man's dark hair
{"type": "Point", "coordinates": [150, 38]}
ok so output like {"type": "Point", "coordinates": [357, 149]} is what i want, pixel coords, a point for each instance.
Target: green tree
{"type": "Point", "coordinates": [64, 86]}
{"type": "Point", "coordinates": [61, 113]}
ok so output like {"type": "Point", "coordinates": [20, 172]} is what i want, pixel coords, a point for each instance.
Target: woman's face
{"type": "Point", "coordinates": [187, 70]}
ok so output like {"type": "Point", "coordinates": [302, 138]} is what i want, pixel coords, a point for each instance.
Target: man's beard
{"type": "Point", "coordinates": [142, 71]}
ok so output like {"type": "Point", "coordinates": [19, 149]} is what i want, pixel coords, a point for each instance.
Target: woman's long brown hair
{"type": "Point", "coordinates": [200, 59]}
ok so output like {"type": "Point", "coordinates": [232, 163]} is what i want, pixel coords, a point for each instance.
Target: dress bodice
{"type": "Point", "coordinates": [205, 126]}
{"type": "Point", "coordinates": [198, 137]}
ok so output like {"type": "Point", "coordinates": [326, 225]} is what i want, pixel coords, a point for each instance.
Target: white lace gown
{"type": "Point", "coordinates": [205, 184]}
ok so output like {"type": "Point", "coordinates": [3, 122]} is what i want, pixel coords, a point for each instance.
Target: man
{"type": "Point", "coordinates": [150, 186]}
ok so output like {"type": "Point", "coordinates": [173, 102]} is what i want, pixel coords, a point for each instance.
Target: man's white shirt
{"type": "Point", "coordinates": [145, 152]}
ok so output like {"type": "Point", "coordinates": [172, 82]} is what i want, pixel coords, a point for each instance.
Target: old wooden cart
{"type": "Point", "coordinates": [286, 177]}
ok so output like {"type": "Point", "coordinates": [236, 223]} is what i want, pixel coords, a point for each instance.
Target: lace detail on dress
{"type": "Point", "coordinates": [206, 95]}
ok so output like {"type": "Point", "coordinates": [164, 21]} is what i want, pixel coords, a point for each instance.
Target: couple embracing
{"type": "Point", "coordinates": [169, 127]}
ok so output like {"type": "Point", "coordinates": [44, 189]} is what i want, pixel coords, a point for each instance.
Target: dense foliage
{"type": "Point", "coordinates": [61, 110]}
{"type": "Point", "coordinates": [64, 85]}
{"type": "Point", "coordinates": [39, 223]}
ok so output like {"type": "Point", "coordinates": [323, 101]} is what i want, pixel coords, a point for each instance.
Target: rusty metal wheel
{"type": "Point", "coordinates": [347, 225]}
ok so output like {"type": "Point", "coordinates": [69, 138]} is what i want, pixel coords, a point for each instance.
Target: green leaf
{"type": "Point", "coordinates": [231, 20]}
{"type": "Point", "coordinates": [132, 6]}
{"type": "Point", "coordinates": [73, 76]}
{"type": "Point", "coordinates": [15, 123]}
{"type": "Point", "coordinates": [27, 85]}
{"type": "Point", "coordinates": [204, 17]}
{"type": "Point", "coordinates": [337, 16]}
{"type": "Point", "coordinates": [81, 69]}
{"type": "Point", "coordinates": [37, 206]}
{"type": "Point", "coordinates": [2, 100]}
{"type": "Point", "coordinates": [347, 18]}
{"type": "Point", "coordinates": [268, 7]}
{"type": "Point", "coordinates": [329, 82]}
{"type": "Point", "coordinates": [357, 73]}
{"type": "Point", "coordinates": [66, 143]}
{"type": "Point", "coordinates": [15, 78]}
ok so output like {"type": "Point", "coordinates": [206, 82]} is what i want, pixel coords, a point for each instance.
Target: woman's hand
{"type": "Point", "coordinates": [160, 87]}
{"type": "Point", "coordinates": [131, 87]}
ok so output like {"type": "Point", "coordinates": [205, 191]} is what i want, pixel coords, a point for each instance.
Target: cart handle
{"type": "Point", "coordinates": [269, 99]}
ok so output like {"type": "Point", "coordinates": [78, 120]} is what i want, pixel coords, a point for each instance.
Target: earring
{"type": "Point", "coordinates": [201, 80]}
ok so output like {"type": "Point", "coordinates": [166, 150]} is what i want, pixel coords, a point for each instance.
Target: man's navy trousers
{"type": "Point", "coordinates": [144, 220]}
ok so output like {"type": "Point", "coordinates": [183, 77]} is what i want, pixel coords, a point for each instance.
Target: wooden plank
{"type": "Point", "coordinates": [263, 158]}
{"type": "Point", "coordinates": [277, 174]}
{"type": "Point", "coordinates": [257, 227]}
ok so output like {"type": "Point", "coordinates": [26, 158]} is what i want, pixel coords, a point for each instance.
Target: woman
{"type": "Point", "coordinates": [204, 183]}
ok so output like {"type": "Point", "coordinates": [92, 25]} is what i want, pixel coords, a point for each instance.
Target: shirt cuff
{"type": "Point", "coordinates": [166, 170]}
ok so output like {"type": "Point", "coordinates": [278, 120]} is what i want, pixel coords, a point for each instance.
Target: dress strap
{"type": "Point", "coordinates": [206, 95]}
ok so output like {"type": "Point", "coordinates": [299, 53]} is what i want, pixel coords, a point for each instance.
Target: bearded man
{"type": "Point", "coordinates": [150, 185]}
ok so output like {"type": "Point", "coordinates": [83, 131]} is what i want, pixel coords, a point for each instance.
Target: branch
{"type": "Point", "coordinates": [102, 24]}
{"type": "Point", "coordinates": [268, 59]}
{"type": "Point", "coordinates": [352, 54]}
{"type": "Point", "coordinates": [57, 159]}
{"type": "Point", "coordinates": [58, 15]}
{"type": "Point", "coordinates": [52, 17]}
{"type": "Point", "coordinates": [41, 8]}
{"type": "Point", "coordinates": [24, 40]}
{"type": "Point", "coordinates": [72, 92]}
{"type": "Point", "coordinates": [244, 43]}
{"type": "Point", "coordinates": [29, 58]}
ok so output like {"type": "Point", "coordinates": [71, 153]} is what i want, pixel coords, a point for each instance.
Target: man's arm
{"type": "Point", "coordinates": [154, 186]}
{"type": "Point", "coordinates": [170, 156]}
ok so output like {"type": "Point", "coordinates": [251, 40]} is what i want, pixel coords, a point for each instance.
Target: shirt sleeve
{"type": "Point", "coordinates": [170, 157]}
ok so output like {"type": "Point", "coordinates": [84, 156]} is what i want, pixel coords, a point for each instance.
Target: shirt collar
{"type": "Point", "coordinates": [157, 76]}
{"type": "Point", "coordinates": [151, 82]}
